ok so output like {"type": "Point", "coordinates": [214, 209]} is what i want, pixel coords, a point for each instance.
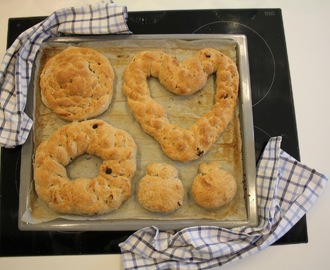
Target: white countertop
{"type": "Point", "coordinates": [306, 24]}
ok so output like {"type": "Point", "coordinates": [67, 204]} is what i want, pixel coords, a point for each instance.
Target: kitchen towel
{"type": "Point", "coordinates": [15, 71]}
{"type": "Point", "coordinates": [286, 189]}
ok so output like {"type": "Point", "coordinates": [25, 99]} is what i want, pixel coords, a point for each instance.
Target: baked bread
{"type": "Point", "coordinates": [182, 78]}
{"type": "Point", "coordinates": [77, 83]}
{"type": "Point", "coordinates": [160, 190]}
{"type": "Point", "coordinates": [213, 187]}
{"type": "Point", "coordinates": [85, 196]}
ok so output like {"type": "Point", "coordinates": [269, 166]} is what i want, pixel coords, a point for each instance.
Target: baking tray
{"type": "Point", "coordinates": [247, 138]}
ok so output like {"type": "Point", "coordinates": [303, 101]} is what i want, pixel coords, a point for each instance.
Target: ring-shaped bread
{"type": "Point", "coordinates": [85, 196]}
{"type": "Point", "coordinates": [77, 83]}
{"type": "Point", "coordinates": [182, 78]}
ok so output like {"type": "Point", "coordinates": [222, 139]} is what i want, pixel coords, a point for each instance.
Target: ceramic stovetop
{"type": "Point", "coordinates": [273, 115]}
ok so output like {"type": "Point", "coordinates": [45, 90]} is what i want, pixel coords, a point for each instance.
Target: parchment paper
{"type": "Point", "coordinates": [182, 110]}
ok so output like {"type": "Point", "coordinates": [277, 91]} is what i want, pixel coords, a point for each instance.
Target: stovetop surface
{"type": "Point", "coordinates": [273, 115]}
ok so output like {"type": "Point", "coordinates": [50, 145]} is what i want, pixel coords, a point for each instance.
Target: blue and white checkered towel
{"type": "Point", "coordinates": [286, 189]}
{"type": "Point", "coordinates": [102, 18]}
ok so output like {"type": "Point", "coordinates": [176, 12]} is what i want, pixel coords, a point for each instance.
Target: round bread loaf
{"type": "Point", "coordinates": [77, 83]}
{"type": "Point", "coordinates": [182, 78]}
{"type": "Point", "coordinates": [85, 196]}
{"type": "Point", "coordinates": [160, 190]}
{"type": "Point", "coordinates": [213, 187]}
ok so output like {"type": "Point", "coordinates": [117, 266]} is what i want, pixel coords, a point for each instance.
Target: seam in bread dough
{"type": "Point", "coordinates": [85, 196]}
{"type": "Point", "coordinates": [182, 78]}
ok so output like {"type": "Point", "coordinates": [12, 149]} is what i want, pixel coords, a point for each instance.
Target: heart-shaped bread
{"type": "Point", "coordinates": [182, 78]}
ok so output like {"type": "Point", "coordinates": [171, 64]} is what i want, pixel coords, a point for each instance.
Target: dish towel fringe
{"type": "Point", "coordinates": [286, 189]}
{"type": "Point", "coordinates": [15, 71]}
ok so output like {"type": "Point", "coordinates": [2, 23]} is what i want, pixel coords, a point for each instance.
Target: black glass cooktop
{"type": "Point", "coordinates": [273, 113]}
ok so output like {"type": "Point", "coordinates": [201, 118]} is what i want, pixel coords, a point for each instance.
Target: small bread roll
{"type": "Point", "coordinates": [160, 190]}
{"type": "Point", "coordinates": [213, 187]}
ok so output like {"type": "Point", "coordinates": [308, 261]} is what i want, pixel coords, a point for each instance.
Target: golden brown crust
{"type": "Point", "coordinates": [160, 190]}
{"type": "Point", "coordinates": [182, 78]}
{"type": "Point", "coordinates": [213, 187]}
{"type": "Point", "coordinates": [77, 84]}
{"type": "Point", "coordinates": [85, 196]}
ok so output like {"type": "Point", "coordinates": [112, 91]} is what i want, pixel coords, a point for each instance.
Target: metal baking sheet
{"type": "Point", "coordinates": [247, 139]}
